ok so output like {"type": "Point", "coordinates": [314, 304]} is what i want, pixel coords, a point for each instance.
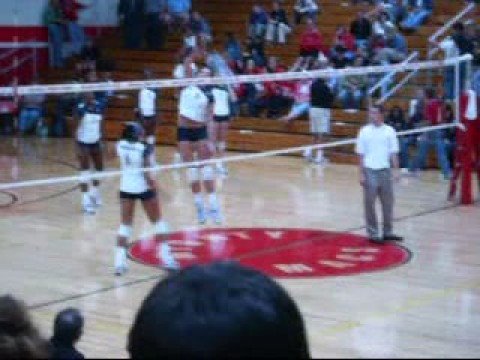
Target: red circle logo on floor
{"type": "Point", "coordinates": [290, 253]}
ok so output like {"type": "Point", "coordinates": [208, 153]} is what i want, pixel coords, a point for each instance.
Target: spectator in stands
{"type": "Point", "coordinates": [233, 47]}
{"type": "Point", "coordinates": [394, 51]}
{"type": "Point", "coordinates": [32, 110]}
{"type": "Point", "coordinates": [19, 338]}
{"type": "Point", "coordinates": [465, 46]}
{"type": "Point", "coordinates": [89, 57]}
{"type": "Point", "coordinates": [311, 41]}
{"type": "Point", "coordinates": [156, 28]}
{"type": "Point", "coordinates": [433, 116]}
{"type": "Point", "coordinates": [396, 118]}
{"type": "Point", "coordinates": [278, 27]}
{"type": "Point", "coordinates": [256, 51]}
{"type": "Point", "coordinates": [361, 28]}
{"type": "Point", "coordinates": [353, 89]}
{"type": "Point", "coordinates": [254, 94]}
{"type": "Point", "coordinates": [382, 24]}
{"type": "Point", "coordinates": [218, 310]}
{"type": "Point", "coordinates": [179, 10]}
{"type": "Point", "coordinates": [70, 9]}
{"type": "Point", "coordinates": [257, 24]}
{"type": "Point", "coordinates": [131, 16]}
{"type": "Point", "coordinates": [277, 93]}
{"type": "Point", "coordinates": [308, 9]}
{"type": "Point", "coordinates": [421, 11]}
{"type": "Point", "coordinates": [450, 50]}
{"type": "Point", "coordinates": [473, 33]}
{"type": "Point", "coordinates": [201, 28]}
{"type": "Point", "coordinates": [476, 81]}
{"type": "Point", "coordinates": [67, 330]}
{"type": "Point", "coordinates": [300, 93]}
{"type": "Point", "coordinates": [55, 21]}
{"type": "Point", "coordinates": [345, 40]}
{"type": "Point", "coordinates": [396, 9]}
{"type": "Point", "coordinates": [450, 135]}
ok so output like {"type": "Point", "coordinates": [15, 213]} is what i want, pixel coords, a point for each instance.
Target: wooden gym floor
{"type": "Point", "coordinates": [53, 256]}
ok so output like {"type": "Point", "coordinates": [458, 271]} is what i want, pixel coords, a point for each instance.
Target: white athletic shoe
{"type": "Point", "coordinates": [201, 214]}
{"type": "Point", "coordinates": [89, 208]}
{"type": "Point", "coordinates": [96, 200]}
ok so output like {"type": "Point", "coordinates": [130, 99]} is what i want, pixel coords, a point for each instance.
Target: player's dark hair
{"type": "Point", "coordinates": [132, 132]}
{"type": "Point", "coordinates": [218, 310]}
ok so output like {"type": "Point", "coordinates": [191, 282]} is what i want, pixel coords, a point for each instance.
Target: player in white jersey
{"type": "Point", "coordinates": [147, 110]}
{"type": "Point", "coordinates": [221, 119]}
{"type": "Point", "coordinates": [195, 111]}
{"type": "Point", "coordinates": [138, 185]}
{"type": "Point", "coordinates": [89, 117]}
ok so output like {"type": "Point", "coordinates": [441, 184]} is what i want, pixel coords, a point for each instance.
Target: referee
{"type": "Point", "coordinates": [377, 147]}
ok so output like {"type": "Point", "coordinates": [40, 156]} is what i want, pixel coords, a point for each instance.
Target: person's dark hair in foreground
{"type": "Point", "coordinates": [19, 338]}
{"type": "Point", "coordinates": [218, 310]}
{"type": "Point", "coordinates": [67, 330]}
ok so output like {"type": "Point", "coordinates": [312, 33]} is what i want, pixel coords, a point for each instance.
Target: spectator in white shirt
{"type": "Point", "coordinates": [378, 148]}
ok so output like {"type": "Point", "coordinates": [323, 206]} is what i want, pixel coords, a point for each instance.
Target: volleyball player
{"type": "Point", "coordinates": [195, 111]}
{"type": "Point", "coordinates": [89, 117]}
{"type": "Point", "coordinates": [147, 108]}
{"type": "Point", "coordinates": [137, 185]}
{"type": "Point", "coordinates": [221, 120]}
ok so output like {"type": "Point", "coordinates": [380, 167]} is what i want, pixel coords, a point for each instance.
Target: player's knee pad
{"type": "Point", "coordinates": [193, 174]}
{"type": "Point", "coordinates": [125, 231]}
{"type": "Point", "coordinates": [151, 140]}
{"type": "Point", "coordinates": [221, 146]}
{"type": "Point", "coordinates": [162, 228]}
{"type": "Point", "coordinates": [207, 173]}
{"type": "Point", "coordinates": [84, 176]}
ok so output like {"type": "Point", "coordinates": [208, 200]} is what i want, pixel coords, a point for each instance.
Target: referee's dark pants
{"type": "Point", "coordinates": [378, 183]}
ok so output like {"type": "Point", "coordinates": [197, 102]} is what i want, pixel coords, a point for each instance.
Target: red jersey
{"type": "Point", "coordinates": [433, 111]}
{"type": "Point", "coordinates": [311, 40]}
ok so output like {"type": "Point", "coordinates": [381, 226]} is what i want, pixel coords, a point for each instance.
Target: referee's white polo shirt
{"type": "Point", "coordinates": [377, 144]}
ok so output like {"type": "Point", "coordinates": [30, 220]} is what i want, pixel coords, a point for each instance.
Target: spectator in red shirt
{"type": "Point", "coordinates": [311, 41]}
{"type": "Point", "coordinates": [70, 9]}
{"type": "Point", "coordinates": [278, 99]}
{"type": "Point", "coordinates": [433, 116]}
{"type": "Point", "coordinates": [345, 39]}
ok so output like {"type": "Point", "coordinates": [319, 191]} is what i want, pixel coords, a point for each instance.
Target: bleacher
{"type": "Point", "coordinates": [252, 134]}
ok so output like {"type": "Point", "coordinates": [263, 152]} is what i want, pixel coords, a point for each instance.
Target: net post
{"type": "Point", "coordinates": [466, 193]}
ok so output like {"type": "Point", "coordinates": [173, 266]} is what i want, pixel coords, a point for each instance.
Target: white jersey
{"type": "Point", "coordinates": [221, 101]}
{"type": "Point", "coordinates": [147, 99]}
{"type": "Point", "coordinates": [89, 130]}
{"type": "Point", "coordinates": [132, 158]}
{"type": "Point", "coordinates": [194, 103]}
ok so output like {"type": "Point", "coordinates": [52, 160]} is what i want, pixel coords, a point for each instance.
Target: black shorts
{"type": "Point", "coordinates": [147, 195]}
{"type": "Point", "coordinates": [89, 147]}
{"type": "Point", "coordinates": [221, 119]}
{"type": "Point", "coordinates": [192, 134]}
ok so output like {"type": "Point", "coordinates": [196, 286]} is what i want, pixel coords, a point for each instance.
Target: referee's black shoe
{"type": "Point", "coordinates": [392, 237]}
{"type": "Point", "coordinates": [376, 240]}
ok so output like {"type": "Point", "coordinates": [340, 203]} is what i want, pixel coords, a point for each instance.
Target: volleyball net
{"type": "Point", "coordinates": [350, 85]}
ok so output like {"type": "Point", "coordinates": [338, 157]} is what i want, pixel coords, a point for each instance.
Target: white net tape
{"type": "Point", "coordinates": [174, 83]}
{"type": "Point", "coordinates": [133, 85]}
{"type": "Point", "coordinates": [236, 158]}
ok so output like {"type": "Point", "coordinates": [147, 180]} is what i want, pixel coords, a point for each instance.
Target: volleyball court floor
{"type": "Point", "coordinates": [301, 223]}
